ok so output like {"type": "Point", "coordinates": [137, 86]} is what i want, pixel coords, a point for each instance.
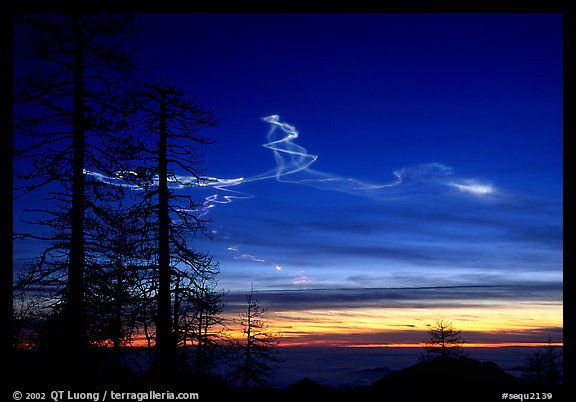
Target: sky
{"type": "Point", "coordinates": [375, 171]}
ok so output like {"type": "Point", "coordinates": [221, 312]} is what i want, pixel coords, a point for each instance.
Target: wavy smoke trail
{"type": "Point", "coordinates": [293, 165]}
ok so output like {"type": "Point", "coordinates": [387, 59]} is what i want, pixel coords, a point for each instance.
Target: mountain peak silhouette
{"type": "Point", "coordinates": [449, 372]}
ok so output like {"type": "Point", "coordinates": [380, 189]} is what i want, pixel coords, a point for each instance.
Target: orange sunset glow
{"type": "Point", "coordinates": [407, 326]}
{"type": "Point", "coordinates": [519, 325]}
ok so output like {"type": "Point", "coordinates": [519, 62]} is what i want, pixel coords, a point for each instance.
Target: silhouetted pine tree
{"type": "Point", "coordinates": [257, 353]}
{"type": "Point", "coordinates": [544, 365]}
{"type": "Point", "coordinates": [444, 340]}
{"type": "Point", "coordinates": [198, 323]}
{"type": "Point", "coordinates": [115, 280]}
{"type": "Point", "coordinates": [169, 161]}
{"type": "Point", "coordinates": [68, 125]}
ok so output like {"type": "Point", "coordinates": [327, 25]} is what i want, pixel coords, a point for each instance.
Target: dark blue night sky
{"type": "Point", "coordinates": [480, 95]}
{"type": "Point", "coordinates": [438, 141]}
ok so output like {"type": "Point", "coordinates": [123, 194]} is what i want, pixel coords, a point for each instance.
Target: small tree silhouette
{"type": "Point", "coordinates": [544, 365]}
{"type": "Point", "coordinates": [443, 340]}
{"type": "Point", "coordinates": [258, 352]}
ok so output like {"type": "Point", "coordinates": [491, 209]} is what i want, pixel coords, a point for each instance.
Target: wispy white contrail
{"type": "Point", "coordinates": [293, 165]}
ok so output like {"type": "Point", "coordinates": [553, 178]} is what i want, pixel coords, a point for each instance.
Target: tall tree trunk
{"type": "Point", "coordinates": [164, 339]}
{"type": "Point", "coordinates": [117, 325]}
{"type": "Point", "coordinates": [247, 357]}
{"type": "Point", "coordinates": [76, 310]}
{"type": "Point", "coordinates": [200, 351]}
{"type": "Point", "coordinates": [176, 319]}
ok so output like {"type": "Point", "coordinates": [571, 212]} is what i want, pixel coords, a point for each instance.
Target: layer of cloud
{"type": "Point", "coordinates": [426, 297]}
{"type": "Point", "coordinates": [400, 336]}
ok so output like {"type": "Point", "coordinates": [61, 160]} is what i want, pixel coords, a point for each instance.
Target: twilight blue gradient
{"type": "Point", "coordinates": [370, 94]}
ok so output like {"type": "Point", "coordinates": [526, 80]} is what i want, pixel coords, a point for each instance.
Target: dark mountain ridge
{"type": "Point", "coordinates": [440, 379]}
{"type": "Point", "coordinates": [449, 372]}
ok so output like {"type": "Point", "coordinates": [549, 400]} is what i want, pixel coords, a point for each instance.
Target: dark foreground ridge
{"type": "Point", "coordinates": [444, 379]}
{"type": "Point", "coordinates": [450, 372]}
